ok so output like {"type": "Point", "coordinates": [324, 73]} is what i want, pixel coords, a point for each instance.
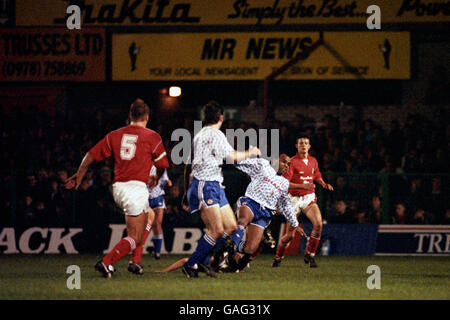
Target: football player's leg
{"type": "Point", "coordinates": [284, 242]}
{"type": "Point", "coordinates": [314, 215]}
{"type": "Point", "coordinates": [229, 220]}
{"type": "Point", "coordinates": [267, 239]}
{"type": "Point", "coordinates": [135, 230]}
{"type": "Point", "coordinates": [220, 242]}
{"type": "Point", "coordinates": [228, 217]}
{"type": "Point", "coordinates": [288, 234]}
{"type": "Point", "coordinates": [204, 196]}
{"type": "Point", "coordinates": [157, 232]}
{"type": "Point", "coordinates": [229, 226]}
{"type": "Point", "coordinates": [137, 253]}
{"type": "Point", "coordinates": [213, 220]}
{"type": "Point", "coordinates": [258, 251]}
{"type": "Point", "coordinates": [134, 203]}
{"type": "Point", "coordinates": [245, 216]}
{"type": "Point", "coordinates": [254, 236]}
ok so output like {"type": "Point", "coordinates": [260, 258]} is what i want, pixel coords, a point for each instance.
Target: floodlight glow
{"type": "Point", "coordinates": [174, 91]}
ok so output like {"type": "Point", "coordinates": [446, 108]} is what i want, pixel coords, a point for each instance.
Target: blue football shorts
{"type": "Point", "coordinates": [261, 215]}
{"type": "Point", "coordinates": [205, 193]}
{"type": "Point", "coordinates": [157, 202]}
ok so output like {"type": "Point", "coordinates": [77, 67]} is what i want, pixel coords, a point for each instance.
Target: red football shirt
{"type": "Point", "coordinates": [135, 150]}
{"type": "Point", "coordinates": [302, 171]}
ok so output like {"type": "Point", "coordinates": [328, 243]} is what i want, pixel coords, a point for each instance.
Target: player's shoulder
{"type": "Point", "coordinates": [217, 133]}
{"type": "Point", "coordinates": [260, 163]}
{"type": "Point", "coordinates": [153, 137]}
{"type": "Point", "coordinates": [208, 133]}
{"type": "Point", "coordinates": [203, 132]}
{"type": "Point", "coordinates": [284, 182]}
{"type": "Point", "coordinates": [149, 133]}
{"type": "Point", "coordinates": [125, 129]}
{"type": "Point", "coordinates": [146, 133]}
{"type": "Point", "coordinates": [208, 130]}
{"type": "Point", "coordinates": [311, 158]}
{"type": "Point", "coordinates": [295, 159]}
{"type": "Point", "coordinates": [117, 132]}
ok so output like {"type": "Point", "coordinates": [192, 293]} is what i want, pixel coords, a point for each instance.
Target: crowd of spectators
{"type": "Point", "coordinates": [406, 163]}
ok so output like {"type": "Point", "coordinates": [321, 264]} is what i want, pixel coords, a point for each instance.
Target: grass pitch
{"type": "Point", "coordinates": [44, 277]}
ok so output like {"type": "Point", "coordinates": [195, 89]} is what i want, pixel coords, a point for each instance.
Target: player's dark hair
{"type": "Point", "coordinates": [138, 110]}
{"type": "Point", "coordinates": [303, 136]}
{"type": "Point", "coordinates": [211, 112]}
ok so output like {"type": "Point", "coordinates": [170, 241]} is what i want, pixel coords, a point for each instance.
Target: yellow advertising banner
{"type": "Point", "coordinates": [254, 56]}
{"type": "Point", "coordinates": [229, 12]}
{"type": "Point", "coordinates": [52, 54]}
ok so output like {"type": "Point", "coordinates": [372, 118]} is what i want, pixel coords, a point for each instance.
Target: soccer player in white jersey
{"type": "Point", "coordinates": [266, 193]}
{"type": "Point", "coordinates": [205, 191]}
{"type": "Point", "coordinates": [156, 202]}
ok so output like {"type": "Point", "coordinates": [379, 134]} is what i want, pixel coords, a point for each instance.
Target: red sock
{"type": "Point", "coordinates": [312, 244]}
{"type": "Point", "coordinates": [137, 253]}
{"type": "Point", "coordinates": [281, 250]}
{"type": "Point", "coordinates": [120, 250]}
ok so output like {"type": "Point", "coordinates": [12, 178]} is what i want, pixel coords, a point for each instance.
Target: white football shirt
{"type": "Point", "coordinates": [210, 149]}
{"type": "Point", "coordinates": [267, 188]}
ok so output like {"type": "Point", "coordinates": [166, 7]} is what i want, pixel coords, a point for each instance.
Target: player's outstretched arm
{"type": "Point", "coordinates": [77, 178]}
{"type": "Point", "coordinates": [324, 185]}
{"type": "Point", "coordinates": [165, 179]}
{"type": "Point", "coordinates": [284, 205]}
{"type": "Point", "coordinates": [301, 231]}
{"type": "Point", "coordinates": [154, 179]}
{"type": "Point", "coordinates": [174, 266]}
{"type": "Point", "coordinates": [237, 156]}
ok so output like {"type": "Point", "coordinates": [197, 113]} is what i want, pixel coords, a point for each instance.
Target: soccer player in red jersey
{"type": "Point", "coordinates": [135, 149]}
{"type": "Point", "coordinates": [303, 171]}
